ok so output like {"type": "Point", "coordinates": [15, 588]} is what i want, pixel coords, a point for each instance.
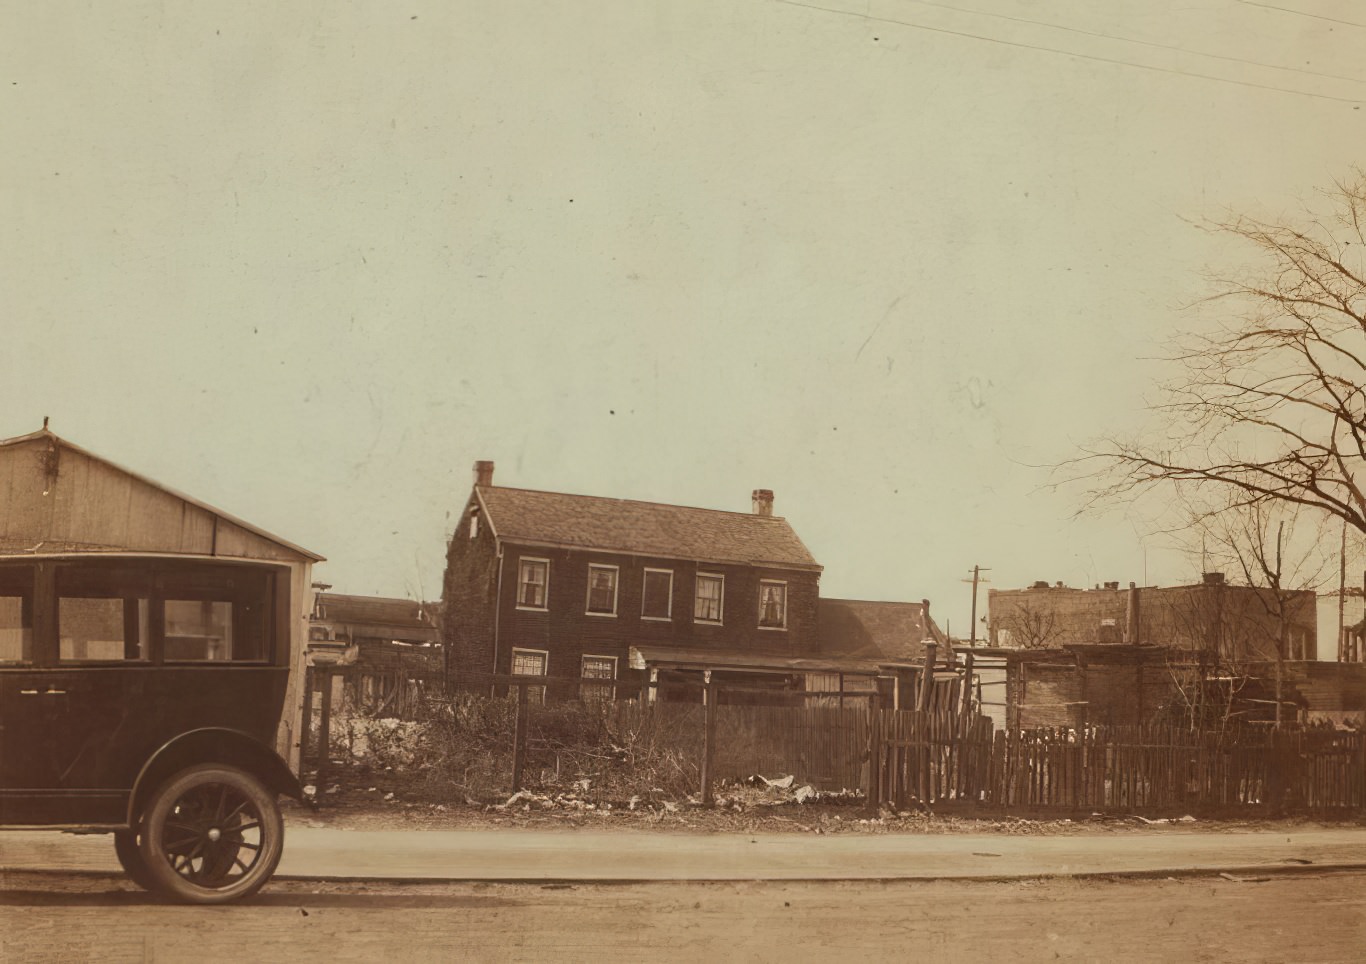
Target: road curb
{"type": "Point", "coordinates": [1180, 873]}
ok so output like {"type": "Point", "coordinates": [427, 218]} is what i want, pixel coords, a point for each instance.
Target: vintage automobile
{"type": "Point", "coordinates": [143, 695]}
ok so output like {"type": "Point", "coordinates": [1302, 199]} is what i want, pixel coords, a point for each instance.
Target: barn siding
{"type": "Point", "coordinates": [97, 504]}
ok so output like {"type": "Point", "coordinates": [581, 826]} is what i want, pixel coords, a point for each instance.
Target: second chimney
{"type": "Point", "coordinates": [763, 502]}
{"type": "Point", "coordinates": [483, 473]}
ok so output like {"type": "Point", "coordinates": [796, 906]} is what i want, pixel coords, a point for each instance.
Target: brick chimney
{"type": "Point", "coordinates": [483, 473]}
{"type": "Point", "coordinates": [763, 502]}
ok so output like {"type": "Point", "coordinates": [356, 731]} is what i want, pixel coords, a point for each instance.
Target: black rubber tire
{"type": "Point", "coordinates": [130, 858]}
{"type": "Point", "coordinates": [178, 829]}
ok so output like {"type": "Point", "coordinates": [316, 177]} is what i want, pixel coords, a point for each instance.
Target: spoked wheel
{"type": "Point", "coordinates": [130, 858]}
{"type": "Point", "coordinates": [211, 834]}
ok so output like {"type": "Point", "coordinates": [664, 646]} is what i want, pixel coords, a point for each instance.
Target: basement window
{"type": "Point", "coordinates": [598, 668]}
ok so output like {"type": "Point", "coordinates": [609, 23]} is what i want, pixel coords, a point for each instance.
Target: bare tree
{"type": "Point", "coordinates": [1268, 402]}
{"type": "Point", "coordinates": [1029, 627]}
{"type": "Point", "coordinates": [1278, 549]}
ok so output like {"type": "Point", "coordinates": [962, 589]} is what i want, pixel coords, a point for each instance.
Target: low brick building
{"type": "Point", "coordinates": [1234, 623]}
{"type": "Point", "coordinates": [548, 583]}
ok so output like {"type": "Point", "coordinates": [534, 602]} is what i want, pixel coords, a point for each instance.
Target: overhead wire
{"type": "Point", "coordinates": [1356, 101]}
{"type": "Point", "coordinates": [1134, 40]}
{"type": "Point", "coordinates": [1302, 13]}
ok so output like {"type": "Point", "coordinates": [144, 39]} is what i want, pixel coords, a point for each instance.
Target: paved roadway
{"type": "Point", "coordinates": [524, 855]}
{"type": "Point", "coordinates": [1315, 916]}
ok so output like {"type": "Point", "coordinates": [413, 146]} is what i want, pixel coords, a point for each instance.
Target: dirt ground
{"type": "Point", "coordinates": [49, 918]}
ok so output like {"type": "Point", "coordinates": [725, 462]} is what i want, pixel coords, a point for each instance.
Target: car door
{"type": "Point", "coordinates": [33, 703]}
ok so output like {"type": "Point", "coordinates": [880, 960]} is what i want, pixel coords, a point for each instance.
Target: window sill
{"type": "Point", "coordinates": [775, 629]}
{"type": "Point", "coordinates": [533, 609]}
{"type": "Point", "coordinates": [608, 615]}
{"type": "Point", "coordinates": [657, 619]}
{"type": "Point", "coordinates": [707, 622]}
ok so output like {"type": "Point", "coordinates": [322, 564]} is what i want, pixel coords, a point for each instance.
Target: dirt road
{"type": "Point", "coordinates": [97, 918]}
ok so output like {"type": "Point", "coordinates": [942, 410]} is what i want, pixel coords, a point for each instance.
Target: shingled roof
{"type": "Point", "coordinates": [642, 528]}
{"type": "Point", "coordinates": [872, 630]}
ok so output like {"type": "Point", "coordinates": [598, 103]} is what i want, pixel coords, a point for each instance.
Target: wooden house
{"type": "Point", "coordinates": [547, 583]}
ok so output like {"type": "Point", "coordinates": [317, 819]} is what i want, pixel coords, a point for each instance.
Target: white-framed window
{"type": "Point", "coordinates": [657, 595]}
{"type": "Point", "coordinates": [531, 662]}
{"type": "Point", "coordinates": [602, 590]}
{"type": "Point", "coordinates": [772, 604]}
{"type": "Point", "coordinates": [533, 583]}
{"type": "Point", "coordinates": [708, 605]}
{"type": "Point", "coordinates": [474, 523]}
{"type": "Point", "coordinates": [597, 669]}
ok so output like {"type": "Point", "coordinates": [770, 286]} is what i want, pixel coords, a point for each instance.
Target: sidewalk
{"type": "Point", "coordinates": [513, 855]}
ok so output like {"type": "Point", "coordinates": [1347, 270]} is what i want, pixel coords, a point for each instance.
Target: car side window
{"type": "Point", "coordinates": [214, 616]}
{"type": "Point", "coordinates": [103, 615]}
{"type": "Point", "coordinates": [16, 614]}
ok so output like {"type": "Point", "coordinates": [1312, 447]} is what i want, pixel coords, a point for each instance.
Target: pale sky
{"type": "Point", "coordinates": [309, 261]}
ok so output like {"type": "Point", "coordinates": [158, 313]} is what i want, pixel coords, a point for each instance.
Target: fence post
{"type": "Point", "coordinates": [325, 727]}
{"type": "Point", "coordinates": [873, 802]}
{"type": "Point", "coordinates": [519, 737]}
{"type": "Point", "coordinates": [708, 737]}
{"type": "Point", "coordinates": [306, 730]}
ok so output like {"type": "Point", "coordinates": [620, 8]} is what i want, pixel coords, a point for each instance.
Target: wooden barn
{"type": "Point", "coordinates": [59, 501]}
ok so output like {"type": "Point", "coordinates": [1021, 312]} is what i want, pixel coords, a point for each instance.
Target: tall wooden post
{"type": "Point", "coordinates": [310, 680]}
{"type": "Point", "coordinates": [927, 681]}
{"type": "Point", "coordinates": [519, 737]}
{"type": "Point", "coordinates": [325, 728]}
{"type": "Point", "coordinates": [708, 736]}
{"type": "Point", "coordinates": [873, 802]}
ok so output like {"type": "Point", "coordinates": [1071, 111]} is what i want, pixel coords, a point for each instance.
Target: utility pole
{"type": "Point", "coordinates": [976, 578]}
{"type": "Point", "coordinates": [1342, 595]}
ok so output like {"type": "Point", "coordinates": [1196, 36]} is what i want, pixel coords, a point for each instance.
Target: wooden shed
{"type": "Point", "coordinates": [57, 499]}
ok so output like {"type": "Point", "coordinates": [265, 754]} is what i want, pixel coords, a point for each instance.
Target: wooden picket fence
{"type": "Point", "coordinates": [1120, 769]}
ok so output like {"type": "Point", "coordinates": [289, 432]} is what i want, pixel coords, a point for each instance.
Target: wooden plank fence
{"type": "Point", "coordinates": [943, 756]}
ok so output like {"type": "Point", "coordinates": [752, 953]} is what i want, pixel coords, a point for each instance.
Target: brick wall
{"type": "Point", "coordinates": [1238, 621]}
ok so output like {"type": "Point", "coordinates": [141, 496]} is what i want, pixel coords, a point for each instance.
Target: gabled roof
{"type": "Point", "coordinates": [382, 610]}
{"type": "Point", "coordinates": [671, 657]}
{"type": "Point", "coordinates": [642, 528]}
{"type": "Point", "coordinates": [874, 630]}
{"type": "Point", "coordinates": [15, 547]}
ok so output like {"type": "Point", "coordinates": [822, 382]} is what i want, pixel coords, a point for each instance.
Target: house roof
{"type": "Point", "coordinates": [642, 528]}
{"type": "Point", "coordinates": [874, 630]}
{"type": "Point", "coordinates": [671, 657]}
{"type": "Point", "coordinates": [13, 548]}
{"type": "Point", "coordinates": [373, 610]}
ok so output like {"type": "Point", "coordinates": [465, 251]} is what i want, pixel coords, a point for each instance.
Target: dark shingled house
{"type": "Point", "coordinates": [545, 583]}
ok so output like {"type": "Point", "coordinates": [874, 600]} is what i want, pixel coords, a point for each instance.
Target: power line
{"type": "Point", "coordinates": [1302, 13]}
{"type": "Point", "coordinates": [1135, 40]}
{"type": "Point", "coordinates": [1072, 53]}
